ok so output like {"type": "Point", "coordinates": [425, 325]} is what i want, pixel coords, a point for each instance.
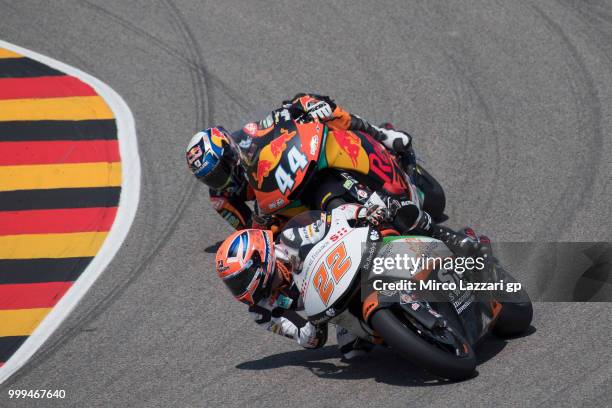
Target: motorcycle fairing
{"type": "Point", "coordinates": [278, 161]}
{"type": "Point", "coordinates": [360, 153]}
{"type": "Point", "coordinates": [472, 315]}
{"type": "Point", "coordinates": [319, 286]}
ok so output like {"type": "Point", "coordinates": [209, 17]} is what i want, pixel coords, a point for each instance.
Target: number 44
{"type": "Point", "coordinates": [297, 161]}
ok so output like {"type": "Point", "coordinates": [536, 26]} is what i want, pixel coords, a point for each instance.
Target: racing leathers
{"type": "Point", "coordinates": [231, 203]}
{"type": "Point", "coordinates": [323, 108]}
{"type": "Point", "coordinates": [278, 311]}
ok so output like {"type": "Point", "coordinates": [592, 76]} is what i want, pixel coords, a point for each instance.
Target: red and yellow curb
{"type": "Point", "coordinates": [60, 183]}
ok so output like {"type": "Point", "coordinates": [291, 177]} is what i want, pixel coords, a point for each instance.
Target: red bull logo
{"type": "Point", "coordinates": [278, 145]}
{"type": "Point", "coordinates": [270, 155]}
{"type": "Point", "coordinates": [350, 143]}
{"type": "Point", "coordinates": [217, 137]}
{"type": "Point", "coordinates": [263, 171]}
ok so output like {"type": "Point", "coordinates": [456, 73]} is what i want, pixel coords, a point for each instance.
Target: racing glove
{"type": "Point", "coordinates": [311, 336]}
{"type": "Point", "coordinates": [311, 107]}
{"type": "Point", "coordinates": [374, 215]}
{"type": "Point", "coordinates": [463, 243]}
{"type": "Point", "coordinates": [403, 214]}
{"type": "Point", "coordinates": [321, 111]}
{"type": "Point", "coordinates": [263, 221]}
{"type": "Point", "coordinates": [392, 139]}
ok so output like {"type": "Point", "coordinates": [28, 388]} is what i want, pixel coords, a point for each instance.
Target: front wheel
{"type": "Point", "coordinates": [517, 310]}
{"type": "Point", "coordinates": [435, 199]}
{"type": "Point", "coordinates": [446, 354]}
{"type": "Point", "coordinates": [515, 316]}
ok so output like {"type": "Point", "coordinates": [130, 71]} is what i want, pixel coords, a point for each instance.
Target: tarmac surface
{"type": "Point", "coordinates": [510, 104]}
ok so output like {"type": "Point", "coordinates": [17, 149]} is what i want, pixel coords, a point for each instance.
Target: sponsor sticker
{"type": "Point", "coordinates": [194, 153]}
{"type": "Point", "coordinates": [250, 128]}
{"type": "Point", "coordinates": [387, 293]}
{"type": "Point", "coordinates": [221, 267]}
{"type": "Point", "coordinates": [405, 299]}
{"type": "Point", "coordinates": [217, 203]}
{"type": "Point", "coordinates": [283, 302]}
{"type": "Point", "coordinates": [314, 143]}
{"type": "Point", "coordinates": [246, 143]}
{"type": "Point", "coordinates": [276, 204]}
{"type": "Point", "coordinates": [348, 184]}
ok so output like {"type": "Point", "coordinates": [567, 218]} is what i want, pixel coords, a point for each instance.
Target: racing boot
{"type": "Point", "coordinates": [406, 216]}
{"type": "Point", "coordinates": [350, 345]}
{"type": "Point", "coordinates": [405, 154]}
{"type": "Point", "coordinates": [463, 243]}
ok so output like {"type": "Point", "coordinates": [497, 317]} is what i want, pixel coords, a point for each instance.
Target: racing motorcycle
{"type": "Point", "coordinates": [295, 166]}
{"type": "Point", "coordinates": [435, 331]}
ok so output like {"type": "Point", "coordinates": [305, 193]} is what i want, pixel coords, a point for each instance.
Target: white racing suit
{"type": "Point", "coordinates": [277, 312]}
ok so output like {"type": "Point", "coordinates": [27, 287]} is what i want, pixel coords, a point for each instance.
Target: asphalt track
{"type": "Point", "coordinates": [511, 106]}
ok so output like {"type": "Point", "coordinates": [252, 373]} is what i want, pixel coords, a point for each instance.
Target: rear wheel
{"type": "Point", "coordinates": [444, 353]}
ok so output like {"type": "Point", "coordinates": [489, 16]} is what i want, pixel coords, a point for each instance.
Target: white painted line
{"type": "Point", "coordinates": [128, 204]}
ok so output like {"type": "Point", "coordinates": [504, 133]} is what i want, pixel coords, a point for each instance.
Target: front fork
{"type": "Point", "coordinates": [420, 314]}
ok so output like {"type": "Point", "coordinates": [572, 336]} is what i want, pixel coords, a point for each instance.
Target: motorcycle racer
{"type": "Point", "coordinates": [213, 160]}
{"type": "Point", "coordinates": [257, 271]}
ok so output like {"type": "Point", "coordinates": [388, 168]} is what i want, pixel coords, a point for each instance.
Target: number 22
{"type": "Point", "coordinates": [338, 262]}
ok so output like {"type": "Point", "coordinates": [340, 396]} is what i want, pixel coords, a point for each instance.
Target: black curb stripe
{"type": "Point", "coordinates": [105, 129]}
{"type": "Point", "coordinates": [10, 344]}
{"type": "Point", "coordinates": [24, 68]}
{"type": "Point", "coordinates": [59, 198]}
{"type": "Point", "coordinates": [42, 270]}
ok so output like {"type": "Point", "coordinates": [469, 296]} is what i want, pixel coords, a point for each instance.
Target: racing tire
{"type": "Point", "coordinates": [422, 353]}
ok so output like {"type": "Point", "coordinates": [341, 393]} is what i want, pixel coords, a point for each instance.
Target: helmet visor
{"type": "Point", "coordinates": [240, 282]}
{"type": "Point", "coordinates": [219, 177]}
